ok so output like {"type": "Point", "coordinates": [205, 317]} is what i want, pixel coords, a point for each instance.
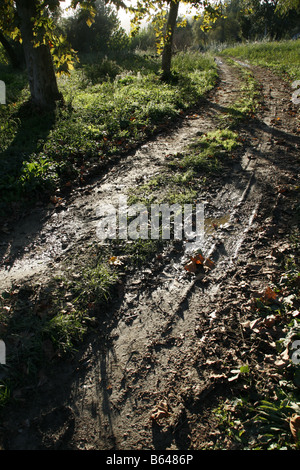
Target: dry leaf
{"type": "Point", "coordinates": [191, 267]}
{"type": "Point", "coordinates": [198, 259]}
{"type": "Point", "coordinates": [269, 294]}
{"type": "Point", "coordinates": [295, 427]}
{"type": "Point", "coordinates": [209, 263]}
{"type": "Point", "coordinates": [161, 411]}
{"type": "Point", "coordinates": [194, 263]}
{"type": "Point", "coordinates": [115, 260]}
{"type": "Point", "coordinates": [56, 200]}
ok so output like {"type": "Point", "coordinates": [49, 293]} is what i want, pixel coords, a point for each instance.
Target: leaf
{"type": "Point", "coordinates": [89, 22]}
{"type": "Point", "coordinates": [199, 259]}
{"type": "Point", "coordinates": [114, 260]}
{"type": "Point", "coordinates": [209, 263]}
{"type": "Point", "coordinates": [56, 200]}
{"type": "Point", "coordinates": [191, 267]}
{"type": "Point", "coordinates": [295, 427]}
{"type": "Point", "coordinates": [160, 411]}
{"type": "Point", "coordinates": [269, 294]}
{"type": "Point", "coordinates": [194, 263]}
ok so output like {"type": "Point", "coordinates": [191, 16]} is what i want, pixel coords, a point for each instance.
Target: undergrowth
{"type": "Point", "coordinates": [110, 107]}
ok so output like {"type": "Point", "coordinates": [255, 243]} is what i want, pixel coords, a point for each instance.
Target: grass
{"type": "Point", "coordinates": [282, 56]}
{"type": "Point", "coordinates": [111, 107]}
{"type": "Point", "coordinates": [40, 324]}
{"type": "Point", "coordinates": [185, 174]}
{"type": "Point", "coordinates": [261, 419]}
{"type": "Point", "coordinates": [248, 102]}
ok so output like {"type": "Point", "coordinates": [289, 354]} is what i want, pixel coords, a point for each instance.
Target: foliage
{"type": "Point", "coordinates": [112, 105]}
{"type": "Point", "coordinates": [238, 21]}
{"type": "Point", "coordinates": [102, 35]}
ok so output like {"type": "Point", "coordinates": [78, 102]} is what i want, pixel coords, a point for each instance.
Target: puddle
{"type": "Point", "coordinates": [213, 224]}
{"type": "Point", "coordinates": [243, 64]}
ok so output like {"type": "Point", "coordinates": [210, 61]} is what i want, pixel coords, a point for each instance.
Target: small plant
{"type": "Point", "coordinates": [274, 418]}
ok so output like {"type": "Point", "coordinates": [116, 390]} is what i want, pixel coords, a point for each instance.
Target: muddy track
{"type": "Point", "coordinates": [177, 336]}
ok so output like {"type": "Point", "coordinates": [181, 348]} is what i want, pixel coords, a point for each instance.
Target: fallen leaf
{"type": "Point", "coordinates": [56, 200]}
{"type": "Point", "coordinates": [194, 263]}
{"type": "Point", "coordinates": [295, 427]}
{"type": "Point", "coordinates": [160, 411]}
{"type": "Point", "coordinates": [115, 260]}
{"type": "Point", "coordinates": [209, 263]}
{"type": "Point", "coordinates": [191, 267]}
{"type": "Point", "coordinates": [198, 259]}
{"type": "Point", "coordinates": [269, 294]}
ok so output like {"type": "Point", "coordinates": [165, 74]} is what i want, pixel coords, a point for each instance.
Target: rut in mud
{"type": "Point", "coordinates": [175, 337]}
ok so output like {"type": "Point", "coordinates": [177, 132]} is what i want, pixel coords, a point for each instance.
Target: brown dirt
{"type": "Point", "coordinates": [172, 338]}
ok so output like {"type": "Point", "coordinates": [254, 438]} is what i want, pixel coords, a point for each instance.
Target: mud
{"type": "Point", "coordinates": [174, 338]}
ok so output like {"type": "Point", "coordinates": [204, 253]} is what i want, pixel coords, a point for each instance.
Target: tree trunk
{"type": "Point", "coordinates": [167, 52]}
{"type": "Point", "coordinates": [40, 69]}
{"type": "Point", "coordinates": [13, 57]}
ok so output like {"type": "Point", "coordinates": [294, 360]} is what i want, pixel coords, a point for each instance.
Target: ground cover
{"type": "Point", "coordinates": [110, 107]}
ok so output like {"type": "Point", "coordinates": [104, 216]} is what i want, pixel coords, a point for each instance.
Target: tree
{"type": "Point", "coordinates": [164, 14]}
{"type": "Point", "coordinates": [41, 74]}
{"type": "Point", "coordinates": [168, 42]}
{"type": "Point", "coordinates": [272, 18]}
{"type": "Point", "coordinates": [285, 6]}
{"type": "Point", "coordinates": [13, 55]}
{"type": "Point", "coordinates": [99, 36]}
{"type": "Point", "coordinates": [31, 22]}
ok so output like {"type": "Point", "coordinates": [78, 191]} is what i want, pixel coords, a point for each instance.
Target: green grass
{"type": "Point", "coordinates": [184, 175]}
{"type": "Point", "coordinates": [40, 324]}
{"type": "Point", "coordinates": [204, 155]}
{"type": "Point", "coordinates": [248, 102]}
{"type": "Point", "coordinates": [283, 57]}
{"type": "Point", "coordinates": [111, 107]}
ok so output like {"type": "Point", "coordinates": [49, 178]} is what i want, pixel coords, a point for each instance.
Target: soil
{"type": "Point", "coordinates": [153, 376]}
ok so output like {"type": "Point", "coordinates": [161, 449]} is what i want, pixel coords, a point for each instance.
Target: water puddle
{"type": "Point", "coordinates": [213, 224]}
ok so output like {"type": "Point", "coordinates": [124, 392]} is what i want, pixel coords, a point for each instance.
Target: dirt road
{"type": "Point", "coordinates": [175, 338]}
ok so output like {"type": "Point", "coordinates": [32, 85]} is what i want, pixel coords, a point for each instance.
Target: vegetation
{"type": "Point", "coordinates": [260, 419]}
{"type": "Point", "coordinates": [112, 105]}
{"type": "Point", "coordinates": [238, 22]}
{"type": "Point", "coordinates": [281, 56]}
